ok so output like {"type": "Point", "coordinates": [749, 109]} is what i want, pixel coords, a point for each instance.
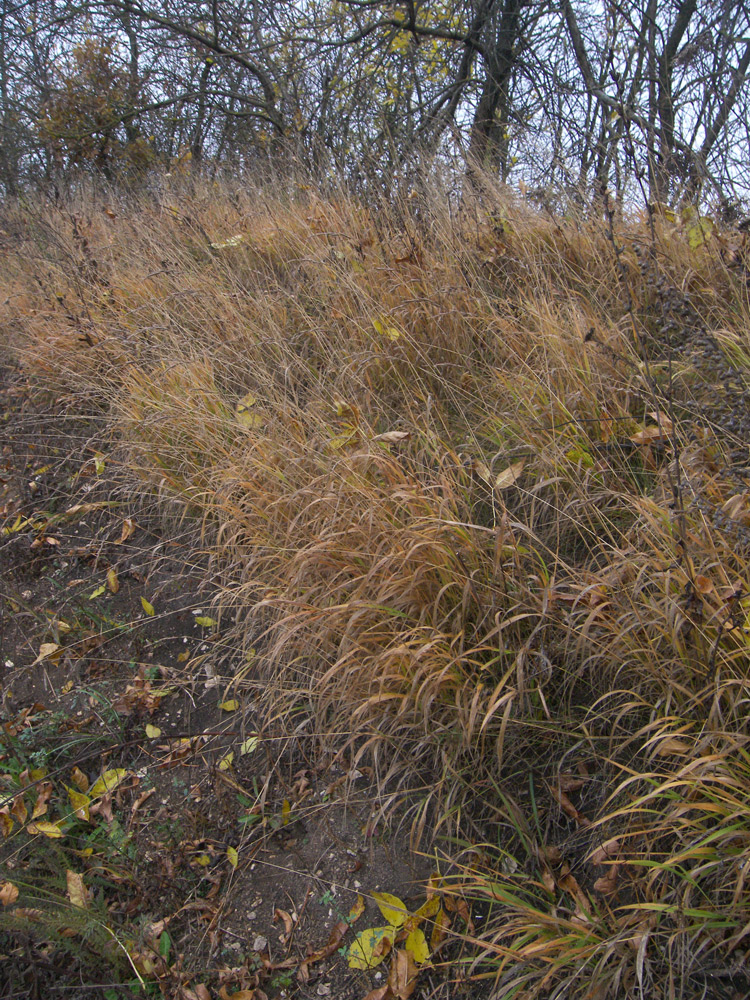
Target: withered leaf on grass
{"type": "Point", "coordinates": [608, 850]}
{"type": "Point", "coordinates": [78, 894]}
{"type": "Point", "coordinates": [8, 893]}
{"type": "Point", "coordinates": [607, 884]}
{"type": "Point", "coordinates": [128, 527]}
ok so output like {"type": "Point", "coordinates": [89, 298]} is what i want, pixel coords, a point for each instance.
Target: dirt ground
{"type": "Point", "coordinates": [229, 861]}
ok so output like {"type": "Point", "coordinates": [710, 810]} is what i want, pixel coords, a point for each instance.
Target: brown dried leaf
{"type": "Point", "coordinates": [8, 893]}
{"type": "Point", "coordinates": [128, 527]}
{"type": "Point", "coordinates": [607, 884]}
{"type": "Point", "coordinates": [508, 477]}
{"type": "Point", "coordinates": [286, 918]}
{"type": "Point", "coordinates": [608, 850]}
{"type": "Point", "coordinates": [569, 783]}
{"type": "Point", "coordinates": [671, 745]}
{"type": "Point", "coordinates": [18, 809]}
{"type": "Point", "coordinates": [381, 993]}
{"type": "Point", "coordinates": [402, 978]}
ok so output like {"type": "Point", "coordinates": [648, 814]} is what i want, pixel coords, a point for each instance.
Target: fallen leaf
{"type": "Point", "coordinates": [44, 794]}
{"type": "Point", "coordinates": [112, 582]}
{"type": "Point", "coordinates": [671, 745]}
{"type": "Point", "coordinates": [51, 830]}
{"type": "Point", "coordinates": [19, 810]}
{"type": "Point", "coordinates": [285, 918]}
{"type": "Point", "coordinates": [508, 477]}
{"type": "Point", "coordinates": [607, 884]}
{"type": "Point", "coordinates": [381, 993]}
{"type": "Point", "coordinates": [128, 527]}
{"type": "Point", "coordinates": [229, 706]}
{"type": "Point", "coordinates": [609, 849]}
{"type": "Point", "coordinates": [416, 945]}
{"type": "Point", "coordinates": [391, 332]}
{"type": "Point", "coordinates": [152, 731]}
{"type": "Point", "coordinates": [356, 911]}
{"type": "Point", "coordinates": [205, 621]}
{"type": "Point", "coordinates": [233, 856]}
{"type": "Point", "coordinates": [248, 746]}
{"type": "Point", "coordinates": [370, 947]}
{"type": "Point", "coordinates": [6, 823]}
{"type": "Point", "coordinates": [226, 762]}
{"type": "Point", "coordinates": [79, 779]}
{"type": "Point", "coordinates": [48, 650]}
{"type": "Point", "coordinates": [393, 437]}
{"type": "Point", "coordinates": [402, 978]}
{"type": "Point", "coordinates": [97, 593]}
{"type": "Point", "coordinates": [440, 928]}
{"type": "Point", "coordinates": [147, 607]}
{"type": "Point", "coordinates": [8, 893]}
{"type": "Point", "coordinates": [80, 803]}
{"type": "Point", "coordinates": [108, 781]}
{"type": "Point", "coordinates": [392, 908]}
{"type": "Point", "coordinates": [78, 894]}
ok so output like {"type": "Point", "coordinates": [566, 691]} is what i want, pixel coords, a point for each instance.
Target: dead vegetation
{"type": "Point", "coordinates": [472, 485]}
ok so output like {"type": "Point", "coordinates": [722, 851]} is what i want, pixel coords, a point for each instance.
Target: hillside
{"type": "Point", "coordinates": [353, 547]}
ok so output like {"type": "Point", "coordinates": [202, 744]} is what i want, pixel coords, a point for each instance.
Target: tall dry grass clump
{"type": "Point", "coordinates": [474, 483]}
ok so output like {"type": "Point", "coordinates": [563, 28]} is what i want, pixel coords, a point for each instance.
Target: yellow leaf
{"type": "Point", "coordinates": [148, 608]}
{"type": "Point", "coordinates": [78, 894]}
{"type": "Point", "coordinates": [249, 745]}
{"type": "Point", "coordinates": [8, 893]}
{"type": "Point", "coordinates": [80, 803]}
{"type": "Point", "coordinates": [108, 782]}
{"type": "Point", "coordinates": [416, 945]}
{"type": "Point", "coordinates": [205, 621]}
{"type": "Point", "coordinates": [97, 593]}
{"type": "Point", "coordinates": [229, 706]}
{"type": "Point", "coordinates": [51, 830]}
{"type": "Point", "coordinates": [245, 415]}
{"type": "Point", "coordinates": [440, 928]}
{"type": "Point", "coordinates": [428, 909]}
{"type": "Point", "coordinates": [152, 731]}
{"type": "Point", "coordinates": [392, 908]}
{"type": "Point", "coordinates": [508, 477]}
{"type": "Point", "coordinates": [99, 463]}
{"type": "Point", "coordinates": [286, 810]}
{"type": "Point", "coordinates": [182, 657]}
{"type": "Point", "coordinates": [48, 650]}
{"type": "Point", "coordinates": [370, 947]}
{"type": "Point", "coordinates": [203, 860]}
{"type": "Point", "coordinates": [112, 582]}
{"type": "Point", "coordinates": [390, 332]}
{"type": "Point", "coordinates": [699, 233]}
{"type": "Point", "coordinates": [226, 762]}
{"type": "Point", "coordinates": [6, 823]}
{"type": "Point", "coordinates": [233, 856]}
{"type": "Point", "coordinates": [67, 686]}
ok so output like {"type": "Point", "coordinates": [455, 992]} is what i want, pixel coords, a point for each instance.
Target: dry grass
{"type": "Point", "coordinates": [332, 394]}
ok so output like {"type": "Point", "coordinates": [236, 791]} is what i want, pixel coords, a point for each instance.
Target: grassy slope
{"type": "Point", "coordinates": [473, 484]}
